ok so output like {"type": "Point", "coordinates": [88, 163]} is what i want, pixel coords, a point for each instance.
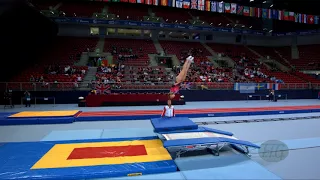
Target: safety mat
{"type": "Point", "coordinates": [84, 159]}
{"type": "Point", "coordinates": [31, 114]}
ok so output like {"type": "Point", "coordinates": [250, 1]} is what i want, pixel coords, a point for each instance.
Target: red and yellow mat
{"type": "Point", "coordinates": [103, 153]}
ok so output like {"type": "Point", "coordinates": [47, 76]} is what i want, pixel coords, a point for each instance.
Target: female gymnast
{"type": "Point", "coordinates": [181, 77]}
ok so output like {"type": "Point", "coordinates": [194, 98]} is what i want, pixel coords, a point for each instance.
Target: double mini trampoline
{"type": "Point", "coordinates": [180, 135]}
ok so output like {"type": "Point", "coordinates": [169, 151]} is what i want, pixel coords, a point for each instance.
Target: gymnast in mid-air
{"type": "Point", "coordinates": [181, 77]}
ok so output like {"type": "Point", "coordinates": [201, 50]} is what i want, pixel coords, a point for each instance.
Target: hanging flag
{"type": "Point", "coordinates": [233, 8]}
{"type": "Point", "coordinates": [207, 5]}
{"type": "Point", "coordinates": [164, 2]}
{"type": "Point", "coordinates": [194, 4]}
{"type": "Point", "coordinates": [269, 13]}
{"type": "Point", "coordinates": [201, 5]}
{"type": "Point", "coordinates": [291, 16]}
{"type": "Point", "coordinates": [172, 3]}
{"type": "Point", "coordinates": [213, 6]}
{"type": "Point", "coordinates": [179, 3]}
{"type": "Point", "coordinates": [132, 1]}
{"type": "Point", "coordinates": [140, 1]}
{"type": "Point", "coordinates": [240, 10]}
{"type": "Point", "coordinates": [300, 18]}
{"type": "Point", "coordinates": [286, 15]}
{"type": "Point", "coordinates": [258, 12]}
{"type": "Point", "coordinates": [264, 13]}
{"type": "Point", "coordinates": [220, 7]}
{"type": "Point", "coordinates": [275, 14]}
{"type": "Point", "coordinates": [316, 19]}
{"type": "Point", "coordinates": [252, 11]}
{"type": "Point", "coordinates": [296, 18]}
{"type": "Point", "coordinates": [186, 4]}
{"type": "Point", "coordinates": [304, 18]}
{"type": "Point", "coordinates": [155, 2]}
{"type": "Point", "coordinates": [115, 0]}
{"type": "Point", "coordinates": [280, 15]}
{"type": "Point", "coordinates": [149, 2]}
{"type": "Point", "coordinates": [103, 89]}
{"type": "Point", "coordinates": [123, 0]}
{"type": "Point", "coordinates": [310, 19]}
{"type": "Point", "coordinates": [227, 8]}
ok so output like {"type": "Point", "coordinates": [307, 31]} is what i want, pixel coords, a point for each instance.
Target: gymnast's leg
{"type": "Point", "coordinates": [184, 71]}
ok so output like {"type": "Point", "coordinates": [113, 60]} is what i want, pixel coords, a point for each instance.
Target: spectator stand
{"type": "Point", "coordinates": [40, 99]}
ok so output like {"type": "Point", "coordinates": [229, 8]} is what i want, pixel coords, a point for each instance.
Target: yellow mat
{"type": "Point", "coordinates": [57, 156]}
{"type": "Point", "coordinates": [44, 114]}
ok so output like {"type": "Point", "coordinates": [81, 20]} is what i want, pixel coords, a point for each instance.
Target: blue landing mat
{"type": "Point", "coordinates": [31, 121]}
{"type": "Point", "coordinates": [100, 134]}
{"type": "Point", "coordinates": [16, 159]}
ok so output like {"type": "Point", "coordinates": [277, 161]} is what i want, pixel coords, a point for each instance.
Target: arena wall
{"type": "Point", "coordinates": [71, 97]}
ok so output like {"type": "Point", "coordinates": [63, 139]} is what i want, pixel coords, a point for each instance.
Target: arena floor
{"type": "Point", "coordinates": [301, 136]}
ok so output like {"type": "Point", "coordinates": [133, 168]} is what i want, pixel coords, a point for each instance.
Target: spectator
{"type": "Point", "coordinates": [27, 97]}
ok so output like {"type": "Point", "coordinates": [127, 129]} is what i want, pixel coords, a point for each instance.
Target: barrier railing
{"type": "Point", "coordinates": [70, 86]}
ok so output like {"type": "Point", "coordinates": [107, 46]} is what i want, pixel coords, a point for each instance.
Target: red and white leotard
{"type": "Point", "coordinates": [168, 111]}
{"type": "Point", "coordinates": [175, 88]}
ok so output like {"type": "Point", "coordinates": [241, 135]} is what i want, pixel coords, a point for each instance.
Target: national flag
{"type": "Point", "coordinates": [275, 86]}
{"type": "Point", "coordinates": [208, 5]}
{"type": "Point", "coordinates": [240, 10]}
{"type": "Point", "coordinates": [264, 13]}
{"type": "Point", "coordinates": [172, 3]}
{"type": "Point", "coordinates": [140, 1]}
{"type": "Point", "coordinates": [164, 2]}
{"type": "Point", "coordinates": [201, 5]}
{"type": "Point", "coordinates": [269, 13]}
{"type": "Point", "coordinates": [194, 4]}
{"type": "Point", "coordinates": [179, 4]}
{"type": "Point", "coordinates": [233, 8]}
{"type": "Point", "coordinates": [115, 0]}
{"type": "Point", "coordinates": [286, 15]}
{"type": "Point", "coordinates": [300, 18]}
{"type": "Point", "coordinates": [227, 8]}
{"type": "Point", "coordinates": [280, 15]}
{"type": "Point", "coordinates": [258, 12]}
{"type": "Point", "coordinates": [220, 7]}
{"type": "Point", "coordinates": [245, 87]}
{"type": "Point", "coordinates": [304, 18]}
{"type": "Point", "coordinates": [186, 4]}
{"type": "Point", "coordinates": [291, 16]}
{"type": "Point", "coordinates": [250, 11]}
{"type": "Point", "coordinates": [316, 19]}
{"type": "Point", "coordinates": [213, 6]}
{"type": "Point", "coordinates": [310, 19]}
{"type": "Point", "coordinates": [296, 17]}
{"type": "Point", "coordinates": [103, 89]}
{"type": "Point", "coordinates": [149, 2]}
{"type": "Point", "coordinates": [275, 14]}
{"type": "Point", "coordinates": [155, 2]}
{"type": "Point", "coordinates": [132, 1]}
{"type": "Point", "coordinates": [124, 1]}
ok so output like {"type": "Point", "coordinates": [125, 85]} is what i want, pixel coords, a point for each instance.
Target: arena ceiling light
{"type": "Point", "coordinates": [271, 5]}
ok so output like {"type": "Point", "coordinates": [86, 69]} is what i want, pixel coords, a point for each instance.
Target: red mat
{"type": "Point", "coordinates": [195, 111]}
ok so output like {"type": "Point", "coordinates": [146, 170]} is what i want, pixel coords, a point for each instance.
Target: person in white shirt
{"type": "Point", "coordinates": [168, 111]}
